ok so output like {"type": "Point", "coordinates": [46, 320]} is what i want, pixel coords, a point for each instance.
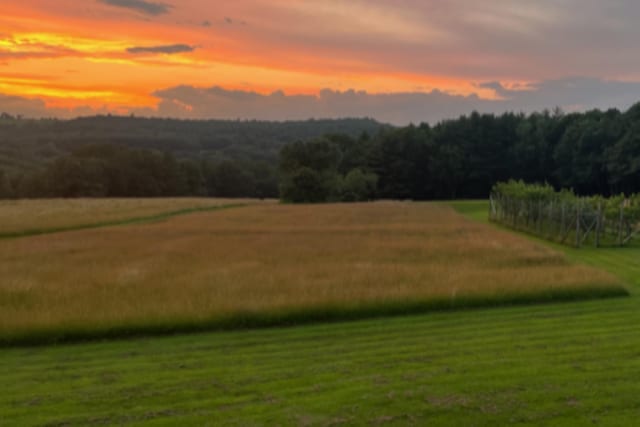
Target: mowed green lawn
{"type": "Point", "coordinates": [570, 363]}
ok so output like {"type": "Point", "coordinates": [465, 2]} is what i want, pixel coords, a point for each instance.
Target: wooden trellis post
{"type": "Point", "coordinates": [620, 224]}
{"type": "Point", "coordinates": [578, 212]}
{"type": "Point", "coordinates": [598, 224]}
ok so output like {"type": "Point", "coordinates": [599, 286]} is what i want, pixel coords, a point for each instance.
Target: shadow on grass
{"type": "Point", "coordinates": [301, 316]}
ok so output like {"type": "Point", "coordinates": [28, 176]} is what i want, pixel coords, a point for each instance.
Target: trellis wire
{"type": "Point", "coordinates": [573, 221]}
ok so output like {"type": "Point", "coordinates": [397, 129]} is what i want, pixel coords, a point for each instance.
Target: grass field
{"type": "Point", "coordinates": [567, 364]}
{"type": "Point", "coordinates": [31, 217]}
{"type": "Point", "coordinates": [574, 363]}
{"type": "Point", "coordinates": [269, 264]}
{"type": "Point", "coordinates": [623, 262]}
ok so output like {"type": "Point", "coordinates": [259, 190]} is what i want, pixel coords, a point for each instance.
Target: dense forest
{"type": "Point", "coordinates": [129, 156]}
{"type": "Point", "coordinates": [592, 153]}
{"type": "Point", "coordinates": [596, 152]}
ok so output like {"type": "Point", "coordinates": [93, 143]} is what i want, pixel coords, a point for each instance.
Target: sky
{"type": "Point", "coordinates": [398, 61]}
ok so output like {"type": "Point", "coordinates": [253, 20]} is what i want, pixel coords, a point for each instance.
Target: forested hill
{"type": "Point", "coordinates": [595, 152]}
{"type": "Point", "coordinates": [26, 145]}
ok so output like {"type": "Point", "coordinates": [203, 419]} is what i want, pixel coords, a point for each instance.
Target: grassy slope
{"type": "Point", "coordinates": [573, 363]}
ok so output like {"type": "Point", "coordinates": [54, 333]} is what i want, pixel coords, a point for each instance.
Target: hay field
{"type": "Point", "coordinates": [39, 216]}
{"type": "Point", "coordinates": [273, 260]}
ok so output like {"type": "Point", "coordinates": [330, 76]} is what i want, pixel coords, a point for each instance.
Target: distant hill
{"type": "Point", "coordinates": [27, 145]}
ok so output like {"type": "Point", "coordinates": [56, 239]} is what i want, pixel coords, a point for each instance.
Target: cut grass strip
{"type": "Point", "coordinates": [127, 221]}
{"type": "Point", "coordinates": [569, 364]}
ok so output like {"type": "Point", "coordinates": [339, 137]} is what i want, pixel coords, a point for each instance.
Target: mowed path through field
{"type": "Point", "coordinates": [21, 218]}
{"type": "Point", "coordinates": [558, 364]}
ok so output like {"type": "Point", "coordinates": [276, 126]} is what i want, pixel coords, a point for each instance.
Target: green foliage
{"type": "Point", "coordinates": [402, 161]}
{"type": "Point", "coordinates": [529, 192]}
{"type": "Point", "coordinates": [6, 191]}
{"type": "Point", "coordinates": [27, 145]}
{"type": "Point", "coordinates": [311, 172]}
{"type": "Point", "coordinates": [540, 209]}
{"type": "Point", "coordinates": [318, 155]}
{"type": "Point", "coordinates": [305, 185]}
{"type": "Point", "coordinates": [228, 179]}
{"type": "Point", "coordinates": [596, 152]}
{"type": "Point", "coordinates": [358, 186]}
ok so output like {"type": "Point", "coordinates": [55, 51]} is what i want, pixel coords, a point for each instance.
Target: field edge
{"type": "Point", "coordinates": [303, 316]}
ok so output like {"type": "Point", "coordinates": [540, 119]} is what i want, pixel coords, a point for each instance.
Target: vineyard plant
{"type": "Point", "coordinates": [564, 217]}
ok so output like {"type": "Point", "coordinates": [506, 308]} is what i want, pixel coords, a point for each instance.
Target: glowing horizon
{"type": "Point", "coordinates": [117, 55]}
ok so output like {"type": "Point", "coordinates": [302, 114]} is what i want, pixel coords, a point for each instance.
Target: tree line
{"type": "Point", "coordinates": [28, 145]}
{"type": "Point", "coordinates": [596, 152]}
{"type": "Point", "coordinates": [107, 170]}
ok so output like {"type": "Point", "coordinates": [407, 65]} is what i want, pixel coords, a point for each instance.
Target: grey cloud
{"type": "Point", "coordinates": [574, 93]}
{"type": "Point", "coordinates": [168, 49]}
{"type": "Point", "coordinates": [36, 108]}
{"type": "Point", "coordinates": [206, 23]}
{"type": "Point", "coordinates": [490, 39]}
{"type": "Point", "coordinates": [16, 105]}
{"type": "Point", "coordinates": [494, 86]}
{"type": "Point", "coordinates": [188, 102]}
{"type": "Point", "coordinates": [146, 7]}
{"type": "Point", "coordinates": [571, 94]}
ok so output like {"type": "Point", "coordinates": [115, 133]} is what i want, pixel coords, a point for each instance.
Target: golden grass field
{"type": "Point", "coordinates": [23, 215]}
{"type": "Point", "coordinates": [261, 258]}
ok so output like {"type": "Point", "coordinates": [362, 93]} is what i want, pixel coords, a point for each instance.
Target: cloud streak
{"type": "Point", "coordinates": [142, 6]}
{"type": "Point", "coordinates": [167, 49]}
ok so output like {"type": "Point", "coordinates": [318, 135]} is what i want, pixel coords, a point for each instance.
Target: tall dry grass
{"type": "Point", "coordinates": [18, 216]}
{"type": "Point", "coordinates": [265, 258]}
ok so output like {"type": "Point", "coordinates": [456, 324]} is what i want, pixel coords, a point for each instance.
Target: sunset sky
{"type": "Point", "coordinates": [397, 61]}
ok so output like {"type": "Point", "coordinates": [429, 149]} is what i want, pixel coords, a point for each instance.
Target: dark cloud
{"type": "Point", "coordinates": [146, 7]}
{"type": "Point", "coordinates": [36, 108]}
{"type": "Point", "coordinates": [16, 105]}
{"type": "Point", "coordinates": [168, 49]}
{"type": "Point", "coordinates": [228, 20]}
{"type": "Point", "coordinates": [571, 94]}
{"type": "Point", "coordinates": [188, 102]}
{"type": "Point", "coordinates": [206, 23]}
{"type": "Point", "coordinates": [497, 87]}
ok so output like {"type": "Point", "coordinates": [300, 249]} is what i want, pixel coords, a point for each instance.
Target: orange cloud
{"type": "Point", "coordinates": [106, 53]}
